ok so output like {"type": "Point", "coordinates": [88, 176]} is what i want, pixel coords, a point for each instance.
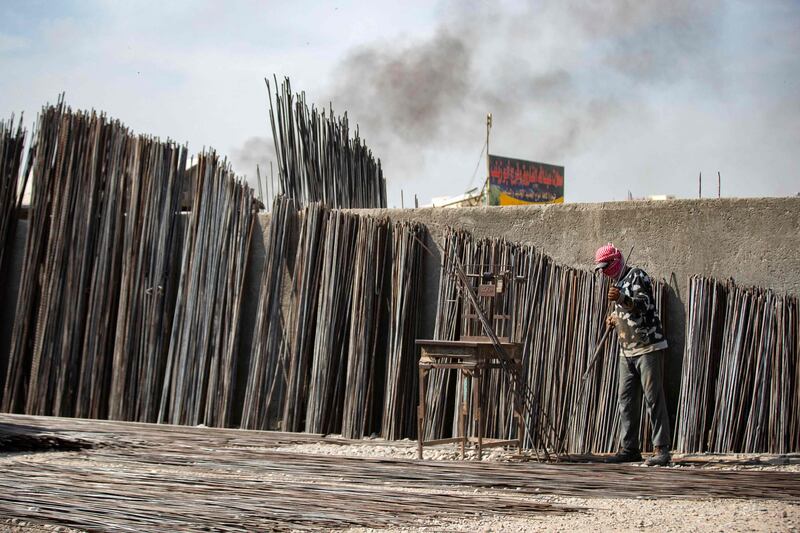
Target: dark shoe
{"type": "Point", "coordinates": [625, 456]}
{"type": "Point", "coordinates": [661, 457]}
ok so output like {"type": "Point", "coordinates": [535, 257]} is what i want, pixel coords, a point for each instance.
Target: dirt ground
{"type": "Point", "coordinates": [599, 514]}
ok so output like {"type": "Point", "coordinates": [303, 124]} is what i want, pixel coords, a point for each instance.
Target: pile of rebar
{"type": "Point", "coordinates": [740, 388]}
{"type": "Point", "coordinates": [143, 476]}
{"type": "Point", "coordinates": [145, 286]}
{"type": "Point", "coordinates": [201, 362]}
{"type": "Point", "coordinates": [557, 314]}
{"type": "Point", "coordinates": [334, 341]}
{"type": "Point", "coordinates": [301, 329]}
{"type": "Point", "coordinates": [78, 173]}
{"type": "Point", "coordinates": [704, 324]}
{"type": "Point", "coordinates": [366, 354]}
{"type": "Point", "coordinates": [195, 479]}
{"type": "Point", "coordinates": [266, 374]}
{"type": "Point", "coordinates": [130, 309]}
{"type": "Point", "coordinates": [123, 311]}
{"type": "Point", "coordinates": [318, 161]}
{"type": "Point", "coordinates": [439, 414]}
{"type": "Point", "coordinates": [12, 144]}
{"type": "Point", "coordinates": [402, 375]}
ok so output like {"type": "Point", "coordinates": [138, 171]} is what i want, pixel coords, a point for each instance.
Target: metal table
{"type": "Point", "coordinates": [472, 357]}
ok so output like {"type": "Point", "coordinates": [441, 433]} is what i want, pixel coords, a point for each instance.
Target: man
{"type": "Point", "coordinates": [641, 362]}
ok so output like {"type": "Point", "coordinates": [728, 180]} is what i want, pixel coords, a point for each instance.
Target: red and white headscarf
{"type": "Point", "coordinates": [609, 260]}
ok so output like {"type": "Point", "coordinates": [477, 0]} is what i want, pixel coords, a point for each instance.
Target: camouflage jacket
{"type": "Point", "coordinates": [638, 324]}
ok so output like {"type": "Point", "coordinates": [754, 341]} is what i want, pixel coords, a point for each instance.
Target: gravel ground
{"type": "Point", "coordinates": [614, 514]}
{"type": "Point", "coordinates": [14, 525]}
{"type": "Point", "coordinates": [403, 449]}
{"type": "Point", "coordinates": [407, 449]}
{"type": "Point", "coordinates": [602, 514]}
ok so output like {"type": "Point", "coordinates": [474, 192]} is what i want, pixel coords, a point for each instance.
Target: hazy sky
{"type": "Point", "coordinates": [627, 95]}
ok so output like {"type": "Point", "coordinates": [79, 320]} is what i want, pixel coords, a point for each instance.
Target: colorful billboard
{"type": "Point", "coordinates": [514, 181]}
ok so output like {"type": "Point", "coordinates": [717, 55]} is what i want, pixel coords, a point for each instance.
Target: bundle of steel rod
{"type": "Point", "coordinates": [402, 376]}
{"type": "Point", "coordinates": [235, 245]}
{"type": "Point", "coordinates": [318, 161]}
{"type": "Point", "coordinates": [741, 376]}
{"type": "Point", "coordinates": [201, 363]}
{"type": "Point", "coordinates": [12, 144]}
{"type": "Point", "coordinates": [199, 478]}
{"type": "Point", "coordinates": [444, 392]}
{"type": "Point", "coordinates": [784, 423]}
{"type": "Point", "coordinates": [62, 328]}
{"type": "Point", "coordinates": [95, 314]}
{"type": "Point", "coordinates": [265, 378]}
{"type": "Point", "coordinates": [323, 368]}
{"type": "Point", "coordinates": [556, 352]}
{"type": "Point", "coordinates": [446, 327]}
{"type": "Point", "coordinates": [565, 331]}
{"type": "Point", "coordinates": [490, 257]}
{"type": "Point", "coordinates": [704, 324]}
{"type": "Point", "coordinates": [332, 341]}
{"type": "Point", "coordinates": [150, 236]}
{"type": "Point", "coordinates": [367, 336]}
{"type": "Point", "coordinates": [557, 314]}
{"type": "Point", "coordinates": [301, 327]}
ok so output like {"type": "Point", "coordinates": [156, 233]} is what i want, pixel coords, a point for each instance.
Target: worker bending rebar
{"type": "Point", "coordinates": [642, 347]}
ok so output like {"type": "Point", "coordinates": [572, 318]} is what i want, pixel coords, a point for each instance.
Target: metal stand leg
{"type": "Point", "coordinates": [476, 409]}
{"type": "Point", "coordinates": [518, 415]}
{"type": "Point", "coordinates": [421, 412]}
{"type": "Point", "coordinates": [462, 416]}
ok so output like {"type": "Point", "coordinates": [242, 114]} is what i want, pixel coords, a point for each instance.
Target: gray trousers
{"type": "Point", "coordinates": [643, 373]}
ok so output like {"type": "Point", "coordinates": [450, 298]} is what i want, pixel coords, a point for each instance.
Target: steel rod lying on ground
{"type": "Point", "coordinates": [196, 478]}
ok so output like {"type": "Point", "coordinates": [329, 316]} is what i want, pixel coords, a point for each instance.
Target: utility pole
{"type": "Point", "coordinates": [272, 185]}
{"type": "Point", "coordinates": [700, 186]}
{"type": "Point", "coordinates": [260, 188]}
{"type": "Point", "coordinates": [488, 165]}
{"type": "Point", "coordinates": [719, 185]}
